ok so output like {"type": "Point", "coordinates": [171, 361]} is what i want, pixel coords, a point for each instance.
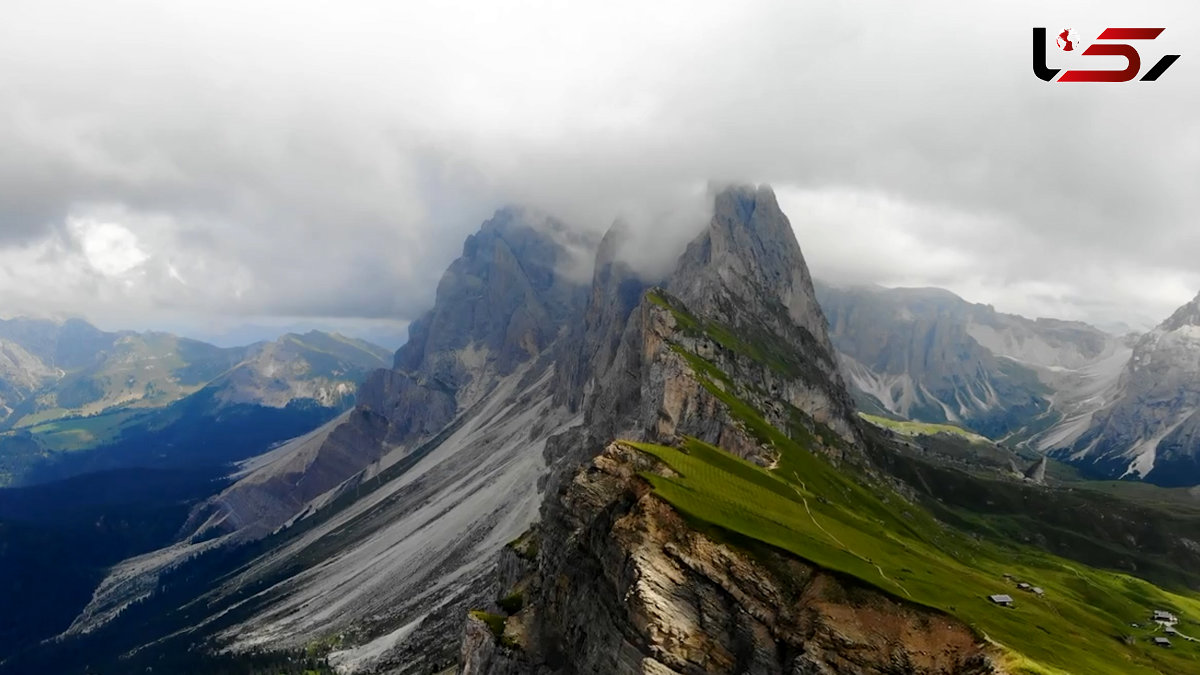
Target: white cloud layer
{"type": "Point", "coordinates": [199, 164]}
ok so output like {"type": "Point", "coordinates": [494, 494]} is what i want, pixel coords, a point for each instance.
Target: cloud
{"type": "Point", "coordinates": [109, 248]}
{"type": "Point", "coordinates": [293, 159]}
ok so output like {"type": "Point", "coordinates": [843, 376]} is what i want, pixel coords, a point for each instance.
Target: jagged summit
{"type": "Point", "coordinates": [1149, 428]}
{"type": "Point", "coordinates": [593, 342]}
{"type": "Point", "coordinates": [504, 297]}
{"type": "Point", "coordinates": [749, 251]}
{"type": "Point", "coordinates": [1187, 315]}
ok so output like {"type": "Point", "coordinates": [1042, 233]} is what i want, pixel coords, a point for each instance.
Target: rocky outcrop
{"type": "Point", "coordinates": [1149, 428]}
{"type": "Point", "coordinates": [593, 343]}
{"type": "Point", "coordinates": [750, 253]}
{"type": "Point", "coordinates": [499, 304]}
{"type": "Point", "coordinates": [1037, 471]}
{"type": "Point", "coordinates": [633, 588]}
{"type": "Point", "coordinates": [747, 275]}
{"type": "Point", "coordinates": [622, 584]}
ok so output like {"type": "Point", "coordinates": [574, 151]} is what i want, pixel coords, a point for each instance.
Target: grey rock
{"type": "Point", "coordinates": [622, 585]}
{"type": "Point", "coordinates": [1149, 428]}
{"type": "Point", "coordinates": [928, 355]}
{"type": "Point", "coordinates": [1037, 471]}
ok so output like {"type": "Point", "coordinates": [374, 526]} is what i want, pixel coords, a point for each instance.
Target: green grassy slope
{"type": "Point", "coordinates": [911, 428]}
{"type": "Point", "coordinates": [809, 508]}
{"type": "Point", "coordinates": [843, 519]}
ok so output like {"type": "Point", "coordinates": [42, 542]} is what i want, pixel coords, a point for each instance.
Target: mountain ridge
{"type": "Point", "coordinates": [145, 381]}
{"type": "Point", "coordinates": [636, 475]}
{"type": "Point", "coordinates": [1148, 426]}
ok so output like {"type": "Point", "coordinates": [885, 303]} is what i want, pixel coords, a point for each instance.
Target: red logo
{"type": "Point", "coordinates": [1105, 46]}
{"type": "Point", "coordinates": [1065, 42]}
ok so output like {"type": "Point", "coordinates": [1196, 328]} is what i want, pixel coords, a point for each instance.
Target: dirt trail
{"type": "Point", "coordinates": [845, 548]}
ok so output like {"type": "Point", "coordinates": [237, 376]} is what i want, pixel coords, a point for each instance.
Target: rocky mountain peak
{"type": "Point", "coordinates": [504, 299]}
{"type": "Point", "coordinates": [749, 253]}
{"type": "Point", "coordinates": [1187, 315]}
{"type": "Point", "coordinates": [593, 342]}
{"type": "Point", "coordinates": [1149, 428]}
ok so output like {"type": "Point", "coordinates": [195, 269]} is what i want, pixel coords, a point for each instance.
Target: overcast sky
{"type": "Point", "coordinates": [227, 169]}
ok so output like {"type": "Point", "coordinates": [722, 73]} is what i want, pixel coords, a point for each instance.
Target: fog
{"type": "Point", "coordinates": [225, 169]}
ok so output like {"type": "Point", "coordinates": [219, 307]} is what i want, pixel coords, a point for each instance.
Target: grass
{"type": "Point", "coordinates": [526, 545]}
{"type": "Point", "coordinates": [511, 603]}
{"type": "Point", "coordinates": [495, 622]}
{"type": "Point", "coordinates": [78, 433]}
{"type": "Point", "coordinates": [860, 527]}
{"type": "Point", "coordinates": [809, 508]}
{"type": "Point", "coordinates": [911, 428]}
{"type": "Point", "coordinates": [755, 342]}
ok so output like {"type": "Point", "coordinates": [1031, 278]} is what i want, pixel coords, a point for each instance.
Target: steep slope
{"type": "Point", "coordinates": [731, 451]}
{"type": "Point", "coordinates": [928, 355]}
{"type": "Point", "coordinates": [21, 374]}
{"type": "Point", "coordinates": [622, 584]}
{"type": "Point", "coordinates": [1149, 427]}
{"type": "Point", "coordinates": [395, 510]}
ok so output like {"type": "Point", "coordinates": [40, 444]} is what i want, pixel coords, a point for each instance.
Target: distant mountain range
{"type": "Point", "coordinates": [927, 354]}
{"type": "Point", "coordinates": [68, 387]}
{"type": "Point", "coordinates": [1117, 406]}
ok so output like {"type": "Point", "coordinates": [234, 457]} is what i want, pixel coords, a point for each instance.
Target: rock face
{"type": "Point", "coordinates": [637, 590]}
{"type": "Point", "coordinates": [1149, 426]}
{"type": "Point", "coordinates": [621, 583]}
{"type": "Point", "coordinates": [750, 253]}
{"type": "Point", "coordinates": [594, 342]}
{"type": "Point", "coordinates": [498, 305]}
{"type": "Point", "coordinates": [389, 519]}
{"type": "Point", "coordinates": [1037, 471]}
{"type": "Point", "coordinates": [928, 355]}
{"type": "Point", "coordinates": [21, 374]}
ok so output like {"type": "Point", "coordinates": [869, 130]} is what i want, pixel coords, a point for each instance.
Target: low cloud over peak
{"type": "Point", "coordinates": [230, 163]}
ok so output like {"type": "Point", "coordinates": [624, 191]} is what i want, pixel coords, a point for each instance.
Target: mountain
{"type": "Point", "coordinates": [74, 369]}
{"type": "Point", "coordinates": [636, 475]}
{"type": "Point", "coordinates": [926, 354]}
{"type": "Point", "coordinates": [323, 367]}
{"type": "Point", "coordinates": [137, 385]}
{"type": "Point", "coordinates": [1148, 425]}
{"type": "Point", "coordinates": [21, 374]}
{"type": "Point", "coordinates": [122, 482]}
{"type": "Point", "coordinates": [437, 464]}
